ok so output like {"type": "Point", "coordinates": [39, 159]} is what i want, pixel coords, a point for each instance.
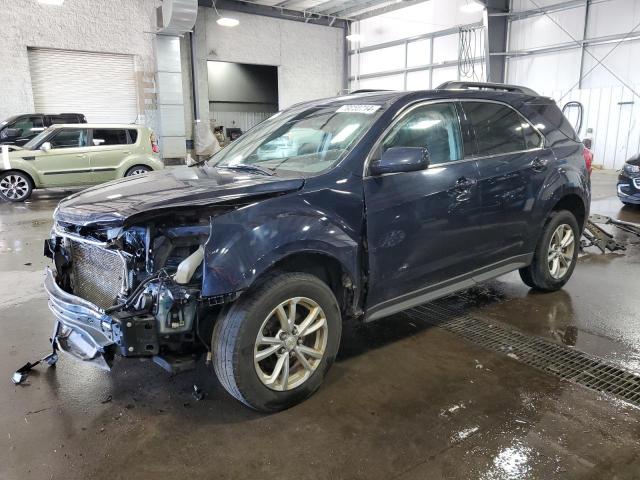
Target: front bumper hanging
{"type": "Point", "coordinates": [82, 328]}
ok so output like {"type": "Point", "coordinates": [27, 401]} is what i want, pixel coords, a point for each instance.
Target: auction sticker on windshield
{"type": "Point", "coordinates": [368, 109]}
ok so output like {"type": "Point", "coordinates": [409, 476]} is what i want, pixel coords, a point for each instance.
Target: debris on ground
{"type": "Point", "coordinates": [198, 393]}
{"type": "Point", "coordinates": [20, 375]}
{"type": "Point", "coordinates": [107, 400]}
{"type": "Point", "coordinates": [597, 237]}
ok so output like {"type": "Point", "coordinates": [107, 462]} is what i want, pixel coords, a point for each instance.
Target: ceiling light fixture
{"type": "Point", "coordinates": [51, 2]}
{"type": "Point", "coordinates": [225, 21]}
{"type": "Point", "coordinates": [472, 6]}
{"type": "Point", "coordinates": [228, 22]}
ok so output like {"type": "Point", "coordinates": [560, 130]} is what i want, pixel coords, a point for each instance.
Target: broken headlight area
{"type": "Point", "coordinates": [132, 291]}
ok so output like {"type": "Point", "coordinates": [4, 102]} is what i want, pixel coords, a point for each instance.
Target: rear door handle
{"type": "Point", "coordinates": [81, 155]}
{"type": "Point", "coordinates": [539, 164]}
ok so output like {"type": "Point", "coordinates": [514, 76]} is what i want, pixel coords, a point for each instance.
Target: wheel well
{"type": "Point", "coordinates": [575, 205]}
{"type": "Point", "coordinates": [29, 177]}
{"type": "Point", "coordinates": [326, 268]}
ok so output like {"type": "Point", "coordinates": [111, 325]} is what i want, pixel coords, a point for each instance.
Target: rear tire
{"type": "Point", "coordinates": [15, 186]}
{"type": "Point", "coordinates": [137, 170]}
{"type": "Point", "coordinates": [264, 359]}
{"type": "Point", "coordinates": [556, 254]}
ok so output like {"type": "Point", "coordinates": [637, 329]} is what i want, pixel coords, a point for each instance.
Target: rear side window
{"type": "Point", "coordinates": [500, 129]}
{"type": "Point", "coordinates": [69, 138]}
{"type": "Point", "coordinates": [434, 127]}
{"type": "Point", "coordinates": [133, 135]}
{"type": "Point", "coordinates": [110, 136]}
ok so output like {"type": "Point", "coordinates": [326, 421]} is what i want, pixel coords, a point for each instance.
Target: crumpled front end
{"type": "Point", "coordinates": [128, 291]}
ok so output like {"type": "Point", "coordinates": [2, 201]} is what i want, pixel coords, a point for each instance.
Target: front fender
{"type": "Point", "coordinates": [246, 242]}
{"type": "Point", "coordinates": [26, 166]}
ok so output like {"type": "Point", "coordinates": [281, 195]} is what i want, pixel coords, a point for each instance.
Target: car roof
{"type": "Point", "coordinates": [98, 125]}
{"type": "Point", "coordinates": [387, 98]}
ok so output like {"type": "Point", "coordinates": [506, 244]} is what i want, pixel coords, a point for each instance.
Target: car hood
{"type": "Point", "coordinates": [635, 160]}
{"type": "Point", "coordinates": [116, 203]}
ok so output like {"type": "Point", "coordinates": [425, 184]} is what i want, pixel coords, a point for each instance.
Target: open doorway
{"type": "Point", "coordinates": [240, 96]}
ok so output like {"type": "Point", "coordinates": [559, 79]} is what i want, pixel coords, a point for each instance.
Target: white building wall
{"type": "Point", "coordinates": [309, 57]}
{"type": "Point", "coordinates": [421, 19]}
{"type": "Point", "coordinates": [430, 16]}
{"type": "Point", "coordinates": [611, 117]}
{"type": "Point", "coordinates": [114, 26]}
{"type": "Point", "coordinates": [543, 71]}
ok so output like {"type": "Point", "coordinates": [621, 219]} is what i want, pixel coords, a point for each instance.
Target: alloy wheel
{"type": "Point", "coordinates": [137, 171]}
{"type": "Point", "coordinates": [290, 344]}
{"type": "Point", "coordinates": [561, 250]}
{"type": "Point", "coordinates": [14, 187]}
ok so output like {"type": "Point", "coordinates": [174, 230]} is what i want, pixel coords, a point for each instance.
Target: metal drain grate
{"type": "Point", "coordinates": [539, 353]}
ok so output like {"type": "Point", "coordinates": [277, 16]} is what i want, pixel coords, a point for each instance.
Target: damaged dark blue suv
{"type": "Point", "coordinates": [354, 207]}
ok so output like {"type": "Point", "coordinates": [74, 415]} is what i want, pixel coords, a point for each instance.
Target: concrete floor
{"type": "Point", "coordinates": [405, 400]}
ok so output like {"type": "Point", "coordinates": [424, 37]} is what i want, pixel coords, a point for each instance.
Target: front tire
{"type": "Point", "coordinates": [15, 186]}
{"type": "Point", "coordinates": [556, 254]}
{"type": "Point", "coordinates": [274, 346]}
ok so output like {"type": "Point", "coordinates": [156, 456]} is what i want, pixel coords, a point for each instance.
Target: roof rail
{"type": "Point", "coordinates": [368, 90]}
{"type": "Point", "coordinates": [455, 85]}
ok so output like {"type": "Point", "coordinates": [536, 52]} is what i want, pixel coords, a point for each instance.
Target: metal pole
{"type": "Point", "coordinates": [584, 38]}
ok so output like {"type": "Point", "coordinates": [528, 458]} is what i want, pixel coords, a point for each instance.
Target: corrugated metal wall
{"type": "Point", "coordinates": [614, 115]}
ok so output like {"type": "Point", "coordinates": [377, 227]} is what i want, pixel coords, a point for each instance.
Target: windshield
{"type": "Point", "coordinates": [8, 120]}
{"type": "Point", "coordinates": [31, 144]}
{"type": "Point", "coordinates": [301, 142]}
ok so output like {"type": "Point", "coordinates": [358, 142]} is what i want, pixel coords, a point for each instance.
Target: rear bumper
{"type": "Point", "coordinates": [82, 329]}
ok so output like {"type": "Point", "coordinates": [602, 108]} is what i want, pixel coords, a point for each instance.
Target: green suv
{"type": "Point", "coordinates": [77, 154]}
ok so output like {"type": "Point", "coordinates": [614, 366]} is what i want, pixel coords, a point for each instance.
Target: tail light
{"type": "Point", "coordinates": [154, 143]}
{"type": "Point", "coordinates": [588, 159]}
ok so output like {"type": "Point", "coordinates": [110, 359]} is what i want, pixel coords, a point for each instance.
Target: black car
{"type": "Point", "coordinates": [629, 182]}
{"type": "Point", "coordinates": [19, 129]}
{"type": "Point", "coordinates": [354, 207]}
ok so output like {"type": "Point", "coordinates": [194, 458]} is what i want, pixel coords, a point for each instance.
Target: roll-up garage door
{"type": "Point", "coordinates": [100, 85]}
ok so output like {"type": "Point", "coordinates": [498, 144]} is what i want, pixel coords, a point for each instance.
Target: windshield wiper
{"type": "Point", "coordinates": [250, 167]}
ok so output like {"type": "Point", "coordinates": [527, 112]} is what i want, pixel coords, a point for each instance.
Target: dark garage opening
{"type": "Point", "coordinates": [240, 96]}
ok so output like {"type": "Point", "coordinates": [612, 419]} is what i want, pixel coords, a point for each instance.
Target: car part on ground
{"type": "Point", "coordinates": [357, 207]}
{"type": "Point", "coordinates": [20, 375]}
{"type": "Point", "coordinates": [596, 236]}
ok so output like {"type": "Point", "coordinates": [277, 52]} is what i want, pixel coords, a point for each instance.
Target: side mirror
{"type": "Point", "coordinates": [10, 133]}
{"type": "Point", "coordinates": [45, 147]}
{"type": "Point", "coordinates": [400, 159]}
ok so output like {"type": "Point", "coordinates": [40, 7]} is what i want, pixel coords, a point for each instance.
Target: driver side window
{"type": "Point", "coordinates": [435, 127]}
{"type": "Point", "coordinates": [69, 138]}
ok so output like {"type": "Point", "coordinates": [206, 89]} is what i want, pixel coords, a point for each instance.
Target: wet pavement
{"type": "Point", "coordinates": [405, 399]}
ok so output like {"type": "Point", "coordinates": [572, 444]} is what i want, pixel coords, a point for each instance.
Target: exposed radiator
{"type": "Point", "coordinates": [98, 274]}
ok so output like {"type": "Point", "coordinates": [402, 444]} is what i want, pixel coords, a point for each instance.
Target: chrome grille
{"type": "Point", "coordinates": [98, 273]}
